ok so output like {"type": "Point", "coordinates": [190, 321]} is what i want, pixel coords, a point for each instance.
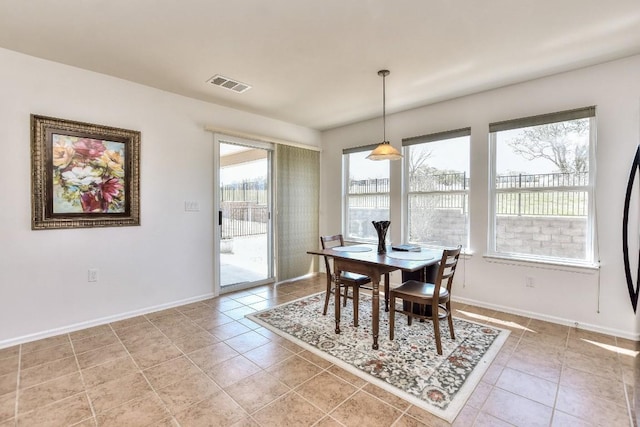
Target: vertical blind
{"type": "Point", "coordinates": [297, 216]}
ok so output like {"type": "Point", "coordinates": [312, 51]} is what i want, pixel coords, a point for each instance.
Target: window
{"type": "Point", "coordinates": [542, 187]}
{"type": "Point", "coordinates": [366, 193]}
{"type": "Point", "coordinates": [437, 188]}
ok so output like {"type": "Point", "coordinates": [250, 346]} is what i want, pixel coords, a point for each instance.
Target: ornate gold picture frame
{"type": "Point", "coordinates": [83, 175]}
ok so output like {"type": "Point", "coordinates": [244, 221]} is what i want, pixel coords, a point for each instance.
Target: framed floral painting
{"type": "Point", "coordinates": [83, 175]}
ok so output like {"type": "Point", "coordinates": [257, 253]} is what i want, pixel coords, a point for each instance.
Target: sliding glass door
{"type": "Point", "coordinates": [244, 226]}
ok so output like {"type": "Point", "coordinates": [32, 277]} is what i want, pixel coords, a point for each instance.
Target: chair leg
{"type": "Point", "coordinates": [392, 315]}
{"type": "Point", "coordinates": [346, 295]}
{"type": "Point", "coordinates": [356, 298]}
{"type": "Point", "coordinates": [436, 330]}
{"type": "Point", "coordinates": [326, 298]}
{"type": "Point", "coordinates": [450, 316]}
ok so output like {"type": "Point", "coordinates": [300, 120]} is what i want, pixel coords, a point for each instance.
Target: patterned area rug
{"type": "Point", "coordinates": [409, 366]}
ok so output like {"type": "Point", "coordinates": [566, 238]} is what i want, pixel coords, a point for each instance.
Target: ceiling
{"type": "Point", "coordinates": [315, 63]}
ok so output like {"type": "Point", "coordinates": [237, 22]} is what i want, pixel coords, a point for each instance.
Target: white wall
{"type": "Point", "coordinates": [166, 260]}
{"type": "Point", "coordinates": [560, 295]}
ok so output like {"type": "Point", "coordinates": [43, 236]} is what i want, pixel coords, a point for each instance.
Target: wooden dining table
{"type": "Point", "coordinates": [365, 260]}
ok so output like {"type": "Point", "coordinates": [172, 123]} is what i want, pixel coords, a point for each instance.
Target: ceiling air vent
{"type": "Point", "coordinates": [228, 83]}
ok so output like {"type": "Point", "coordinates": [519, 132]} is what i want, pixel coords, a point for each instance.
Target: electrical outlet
{"type": "Point", "coordinates": [528, 282]}
{"type": "Point", "coordinates": [92, 275]}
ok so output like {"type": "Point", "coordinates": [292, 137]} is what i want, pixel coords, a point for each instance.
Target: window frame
{"type": "Point", "coordinates": [406, 193]}
{"type": "Point", "coordinates": [345, 192]}
{"type": "Point", "coordinates": [591, 257]}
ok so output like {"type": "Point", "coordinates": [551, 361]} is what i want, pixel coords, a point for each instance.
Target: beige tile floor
{"type": "Point", "coordinates": [204, 364]}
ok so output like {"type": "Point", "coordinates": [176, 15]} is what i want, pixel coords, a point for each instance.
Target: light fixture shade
{"type": "Point", "coordinates": [384, 151]}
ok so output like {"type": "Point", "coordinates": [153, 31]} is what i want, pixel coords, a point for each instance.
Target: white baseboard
{"type": "Point", "coordinates": [97, 322]}
{"type": "Point", "coordinates": [561, 321]}
{"type": "Point", "coordinates": [109, 319]}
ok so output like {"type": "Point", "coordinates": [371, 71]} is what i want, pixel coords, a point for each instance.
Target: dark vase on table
{"type": "Point", "coordinates": [381, 228]}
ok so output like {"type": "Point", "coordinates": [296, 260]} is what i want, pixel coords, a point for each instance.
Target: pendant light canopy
{"type": "Point", "coordinates": [384, 150]}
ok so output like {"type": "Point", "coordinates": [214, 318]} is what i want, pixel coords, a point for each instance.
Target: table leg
{"type": "Point", "coordinates": [338, 304]}
{"type": "Point", "coordinates": [386, 292]}
{"type": "Point", "coordinates": [375, 281]}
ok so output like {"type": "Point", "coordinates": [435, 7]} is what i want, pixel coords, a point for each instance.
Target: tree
{"type": "Point", "coordinates": [417, 160]}
{"type": "Point", "coordinates": [563, 143]}
{"type": "Point", "coordinates": [419, 169]}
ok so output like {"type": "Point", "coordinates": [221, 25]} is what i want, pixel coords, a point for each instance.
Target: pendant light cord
{"type": "Point", "coordinates": [384, 74]}
{"type": "Point", "coordinates": [384, 108]}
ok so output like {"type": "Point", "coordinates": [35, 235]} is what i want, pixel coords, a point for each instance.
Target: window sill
{"type": "Point", "coordinates": [583, 268]}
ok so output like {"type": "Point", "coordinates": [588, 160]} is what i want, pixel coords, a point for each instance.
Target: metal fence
{"type": "Point", "coordinates": [553, 194]}
{"type": "Point", "coordinates": [544, 180]}
{"type": "Point", "coordinates": [244, 208]}
{"type": "Point", "coordinates": [245, 191]}
{"type": "Point", "coordinates": [244, 220]}
{"type": "Point", "coordinates": [369, 186]}
{"type": "Point", "coordinates": [439, 182]}
{"type": "Point", "coordinates": [245, 212]}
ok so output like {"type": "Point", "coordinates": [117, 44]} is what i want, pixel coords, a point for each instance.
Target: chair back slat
{"type": "Point", "coordinates": [447, 269]}
{"type": "Point", "coordinates": [324, 240]}
{"type": "Point", "coordinates": [329, 242]}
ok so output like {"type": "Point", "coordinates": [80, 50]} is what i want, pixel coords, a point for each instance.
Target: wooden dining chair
{"type": "Point", "coordinates": [428, 300]}
{"type": "Point", "coordinates": [346, 281]}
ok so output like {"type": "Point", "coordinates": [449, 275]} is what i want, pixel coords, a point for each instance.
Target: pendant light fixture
{"type": "Point", "coordinates": [384, 150]}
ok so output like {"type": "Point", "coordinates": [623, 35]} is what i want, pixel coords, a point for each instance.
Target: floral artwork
{"type": "Point", "coordinates": [88, 175]}
{"type": "Point", "coordinates": [83, 175]}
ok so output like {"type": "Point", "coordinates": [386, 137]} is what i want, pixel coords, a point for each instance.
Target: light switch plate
{"type": "Point", "coordinates": [191, 206]}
